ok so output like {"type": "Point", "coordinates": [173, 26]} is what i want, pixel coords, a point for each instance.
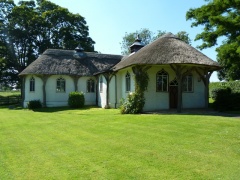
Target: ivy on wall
{"type": "Point", "coordinates": [134, 102]}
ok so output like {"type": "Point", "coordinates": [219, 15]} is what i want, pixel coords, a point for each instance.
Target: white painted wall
{"type": "Point", "coordinates": [154, 100]}
{"type": "Point", "coordinates": [37, 94]}
{"type": "Point", "coordinates": [103, 94]}
{"type": "Point", "coordinates": [90, 97]}
{"type": "Point", "coordinates": [160, 100]}
{"type": "Point", "coordinates": [157, 100]}
{"type": "Point", "coordinates": [54, 98]}
{"type": "Point", "coordinates": [195, 99]}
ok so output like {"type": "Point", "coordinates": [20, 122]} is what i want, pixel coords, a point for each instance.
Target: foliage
{"type": "Point", "coordinates": [224, 99]}
{"type": "Point", "coordinates": [46, 144]}
{"type": "Point", "coordinates": [76, 99]}
{"type": "Point", "coordinates": [147, 37]}
{"type": "Point", "coordinates": [133, 104]}
{"type": "Point", "coordinates": [234, 85]}
{"type": "Point", "coordinates": [34, 104]}
{"type": "Point", "coordinates": [221, 92]}
{"type": "Point", "coordinates": [29, 28]}
{"type": "Point", "coordinates": [220, 19]}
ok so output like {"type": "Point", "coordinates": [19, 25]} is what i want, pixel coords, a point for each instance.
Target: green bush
{"type": "Point", "coordinates": [224, 99]}
{"type": "Point", "coordinates": [34, 104]}
{"type": "Point", "coordinates": [76, 99]}
{"type": "Point", "coordinates": [234, 85]}
{"type": "Point", "coordinates": [221, 93]}
{"type": "Point", "coordinates": [133, 104]}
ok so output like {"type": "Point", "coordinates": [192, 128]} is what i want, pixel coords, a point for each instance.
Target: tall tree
{"type": "Point", "coordinates": [220, 19]}
{"type": "Point", "coordinates": [29, 28]}
{"type": "Point", "coordinates": [147, 37]}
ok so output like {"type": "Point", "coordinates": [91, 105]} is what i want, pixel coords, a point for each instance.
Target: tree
{"type": "Point", "coordinates": [30, 28]}
{"type": "Point", "coordinates": [147, 37]}
{"type": "Point", "coordinates": [220, 19]}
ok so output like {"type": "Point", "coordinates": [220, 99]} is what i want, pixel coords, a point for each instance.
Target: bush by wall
{"type": "Point", "coordinates": [76, 99]}
{"type": "Point", "coordinates": [34, 104]}
{"type": "Point", "coordinates": [234, 85]}
{"type": "Point", "coordinates": [225, 99]}
{"type": "Point", "coordinates": [133, 104]}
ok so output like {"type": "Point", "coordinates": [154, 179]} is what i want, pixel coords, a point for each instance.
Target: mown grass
{"type": "Point", "coordinates": [93, 143]}
{"type": "Point", "coordinates": [9, 93]}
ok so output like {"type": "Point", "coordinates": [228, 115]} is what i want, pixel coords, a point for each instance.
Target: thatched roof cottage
{"type": "Point", "coordinates": [178, 75]}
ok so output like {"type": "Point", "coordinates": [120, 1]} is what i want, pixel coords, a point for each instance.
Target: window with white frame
{"type": "Point", "coordinates": [162, 81]}
{"type": "Point", "coordinates": [188, 83]}
{"type": "Point", "coordinates": [90, 85]}
{"type": "Point", "coordinates": [32, 84]}
{"type": "Point", "coordinates": [128, 82]}
{"type": "Point", "coordinates": [61, 85]}
{"type": "Point", "coordinates": [101, 83]}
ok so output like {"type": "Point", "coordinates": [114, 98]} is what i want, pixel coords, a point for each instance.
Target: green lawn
{"type": "Point", "coordinates": [58, 143]}
{"type": "Point", "coordinates": [9, 93]}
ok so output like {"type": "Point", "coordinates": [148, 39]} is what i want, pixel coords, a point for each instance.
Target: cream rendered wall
{"type": "Point", "coordinates": [53, 98]}
{"type": "Point", "coordinates": [160, 100]}
{"type": "Point", "coordinates": [90, 97]}
{"type": "Point", "coordinates": [196, 98]}
{"type": "Point", "coordinates": [157, 100]}
{"type": "Point", "coordinates": [37, 94]}
{"type": "Point", "coordinates": [102, 95]}
{"type": "Point", "coordinates": [112, 92]}
{"type": "Point", "coordinates": [121, 84]}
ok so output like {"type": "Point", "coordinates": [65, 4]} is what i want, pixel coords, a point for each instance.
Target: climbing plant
{"type": "Point", "coordinates": [134, 102]}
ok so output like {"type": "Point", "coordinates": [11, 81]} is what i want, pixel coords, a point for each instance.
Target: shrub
{"type": "Point", "coordinates": [133, 104]}
{"type": "Point", "coordinates": [76, 99]}
{"type": "Point", "coordinates": [221, 92]}
{"type": "Point", "coordinates": [225, 99]}
{"type": "Point", "coordinates": [34, 104]}
{"type": "Point", "coordinates": [234, 85]}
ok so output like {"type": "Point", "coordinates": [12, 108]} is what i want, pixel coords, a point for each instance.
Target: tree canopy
{"type": "Point", "coordinates": [220, 18]}
{"type": "Point", "coordinates": [31, 27]}
{"type": "Point", "coordinates": [147, 37]}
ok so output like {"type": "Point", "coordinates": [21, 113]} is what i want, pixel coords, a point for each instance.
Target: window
{"type": "Point", "coordinates": [101, 83]}
{"type": "Point", "coordinates": [32, 84]}
{"type": "Point", "coordinates": [128, 82]}
{"type": "Point", "coordinates": [188, 84]}
{"type": "Point", "coordinates": [162, 81]}
{"type": "Point", "coordinates": [90, 85]}
{"type": "Point", "coordinates": [61, 84]}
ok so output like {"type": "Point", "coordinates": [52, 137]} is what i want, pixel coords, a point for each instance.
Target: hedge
{"type": "Point", "coordinates": [234, 85]}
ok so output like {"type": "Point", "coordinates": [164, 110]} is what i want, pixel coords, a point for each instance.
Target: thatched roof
{"type": "Point", "coordinates": [167, 49]}
{"type": "Point", "coordinates": [68, 62]}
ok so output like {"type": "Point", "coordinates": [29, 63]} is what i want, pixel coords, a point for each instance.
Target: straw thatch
{"type": "Point", "coordinates": [69, 62]}
{"type": "Point", "coordinates": [167, 49]}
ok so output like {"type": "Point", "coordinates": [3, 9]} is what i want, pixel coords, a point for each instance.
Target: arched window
{"type": "Point", "coordinates": [90, 85]}
{"type": "Point", "coordinates": [162, 81]}
{"type": "Point", "coordinates": [61, 84]}
{"type": "Point", "coordinates": [101, 83]}
{"type": "Point", "coordinates": [188, 83]}
{"type": "Point", "coordinates": [32, 84]}
{"type": "Point", "coordinates": [128, 82]}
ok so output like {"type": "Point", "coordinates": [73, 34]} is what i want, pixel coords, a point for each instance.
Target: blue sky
{"type": "Point", "coordinates": [108, 20]}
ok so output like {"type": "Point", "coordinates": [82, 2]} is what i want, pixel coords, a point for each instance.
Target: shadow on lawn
{"type": "Point", "coordinates": [197, 112]}
{"type": "Point", "coordinates": [58, 109]}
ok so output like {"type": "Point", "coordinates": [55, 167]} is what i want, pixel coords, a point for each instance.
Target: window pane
{"type": "Point", "coordinates": [32, 84]}
{"type": "Point", "coordinates": [60, 85]}
{"type": "Point", "coordinates": [162, 81]}
{"type": "Point", "coordinates": [128, 82]}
